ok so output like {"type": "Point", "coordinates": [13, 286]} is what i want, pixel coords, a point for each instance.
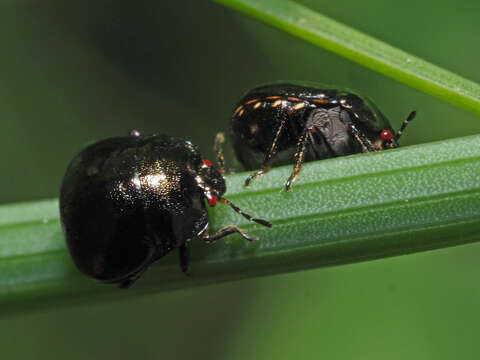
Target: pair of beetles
{"type": "Point", "coordinates": [128, 201]}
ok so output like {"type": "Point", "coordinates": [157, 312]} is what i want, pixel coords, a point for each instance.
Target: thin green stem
{"type": "Point", "coordinates": [340, 39]}
{"type": "Point", "coordinates": [341, 211]}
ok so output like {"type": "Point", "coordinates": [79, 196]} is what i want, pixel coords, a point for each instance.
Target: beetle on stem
{"type": "Point", "coordinates": [128, 201]}
{"type": "Point", "coordinates": [283, 123]}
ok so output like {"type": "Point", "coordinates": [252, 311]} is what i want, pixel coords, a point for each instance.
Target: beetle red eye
{"type": "Point", "coordinates": [207, 162]}
{"type": "Point", "coordinates": [213, 200]}
{"type": "Point", "coordinates": [386, 135]}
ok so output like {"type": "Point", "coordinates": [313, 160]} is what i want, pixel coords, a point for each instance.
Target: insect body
{"type": "Point", "coordinates": [126, 202]}
{"type": "Point", "coordinates": [284, 123]}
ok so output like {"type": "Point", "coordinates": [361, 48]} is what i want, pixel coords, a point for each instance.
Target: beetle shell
{"type": "Point", "coordinates": [127, 201]}
{"type": "Point", "coordinates": [327, 112]}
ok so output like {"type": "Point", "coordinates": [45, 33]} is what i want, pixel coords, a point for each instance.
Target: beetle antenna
{"type": "Point", "coordinates": [219, 140]}
{"type": "Point", "coordinates": [246, 216]}
{"type": "Point", "coordinates": [404, 124]}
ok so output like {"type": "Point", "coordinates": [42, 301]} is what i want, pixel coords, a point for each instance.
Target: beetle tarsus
{"type": "Point", "coordinates": [255, 175]}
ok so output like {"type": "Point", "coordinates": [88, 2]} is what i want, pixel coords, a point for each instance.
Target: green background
{"type": "Point", "coordinates": [76, 72]}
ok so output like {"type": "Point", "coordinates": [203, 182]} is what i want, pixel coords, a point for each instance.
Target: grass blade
{"type": "Point", "coordinates": [340, 39]}
{"type": "Point", "coordinates": [342, 210]}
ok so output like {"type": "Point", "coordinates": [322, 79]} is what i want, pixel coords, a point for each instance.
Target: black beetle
{"type": "Point", "coordinates": [283, 123]}
{"type": "Point", "coordinates": [125, 202]}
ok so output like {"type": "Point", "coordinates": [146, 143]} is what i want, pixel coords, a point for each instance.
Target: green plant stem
{"type": "Point", "coordinates": [341, 210]}
{"type": "Point", "coordinates": [340, 39]}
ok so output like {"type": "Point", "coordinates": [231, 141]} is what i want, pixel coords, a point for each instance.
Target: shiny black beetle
{"type": "Point", "coordinates": [283, 123]}
{"type": "Point", "coordinates": [127, 201]}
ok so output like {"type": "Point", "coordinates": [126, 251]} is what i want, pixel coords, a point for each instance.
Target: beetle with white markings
{"type": "Point", "coordinates": [283, 123]}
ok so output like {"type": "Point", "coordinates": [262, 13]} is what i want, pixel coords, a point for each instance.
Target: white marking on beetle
{"type": "Point", "coordinates": [299, 106]}
{"type": "Point", "coordinates": [276, 103]}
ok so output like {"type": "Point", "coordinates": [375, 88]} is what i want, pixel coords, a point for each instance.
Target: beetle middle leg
{"type": "Point", "coordinates": [299, 156]}
{"type": "Point", "coordinates": [271, 152]}
{"type": "Point", "coordinates": [227, 230]}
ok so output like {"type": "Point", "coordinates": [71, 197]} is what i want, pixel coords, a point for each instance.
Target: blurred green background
{"type": "Point", "coordinates": [77, 71]}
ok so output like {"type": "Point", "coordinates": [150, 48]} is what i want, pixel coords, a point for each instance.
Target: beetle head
{"type": "Point", "coordinates": [213, 182]}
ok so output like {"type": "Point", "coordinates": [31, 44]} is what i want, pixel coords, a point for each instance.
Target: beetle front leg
{"type": "Point", "coordinates": [364, 141]}
{"type": "Point", "coordinates": [271, 152]}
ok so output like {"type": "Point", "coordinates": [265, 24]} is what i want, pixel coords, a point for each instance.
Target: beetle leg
{"type": "Point", "coordinates": [227, 230]}
{"type": "Point", "coordinates": [299, 155]}
{"type": "Point", "coordinates": [257, 174]}
{"type": "Point", "coordinates": [219, 140]}
{"type": "Point", "coordinates": [184, 258]}
{"type": "Point", "coordinates": [271, 152]}
{"type": "Point", "coordinates": [365, 143]}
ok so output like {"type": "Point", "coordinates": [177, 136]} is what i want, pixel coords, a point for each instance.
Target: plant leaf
{"type": "Point", "coordinates": [365, 50]}
{"type": "Point", "coordinates": [341, 210]}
